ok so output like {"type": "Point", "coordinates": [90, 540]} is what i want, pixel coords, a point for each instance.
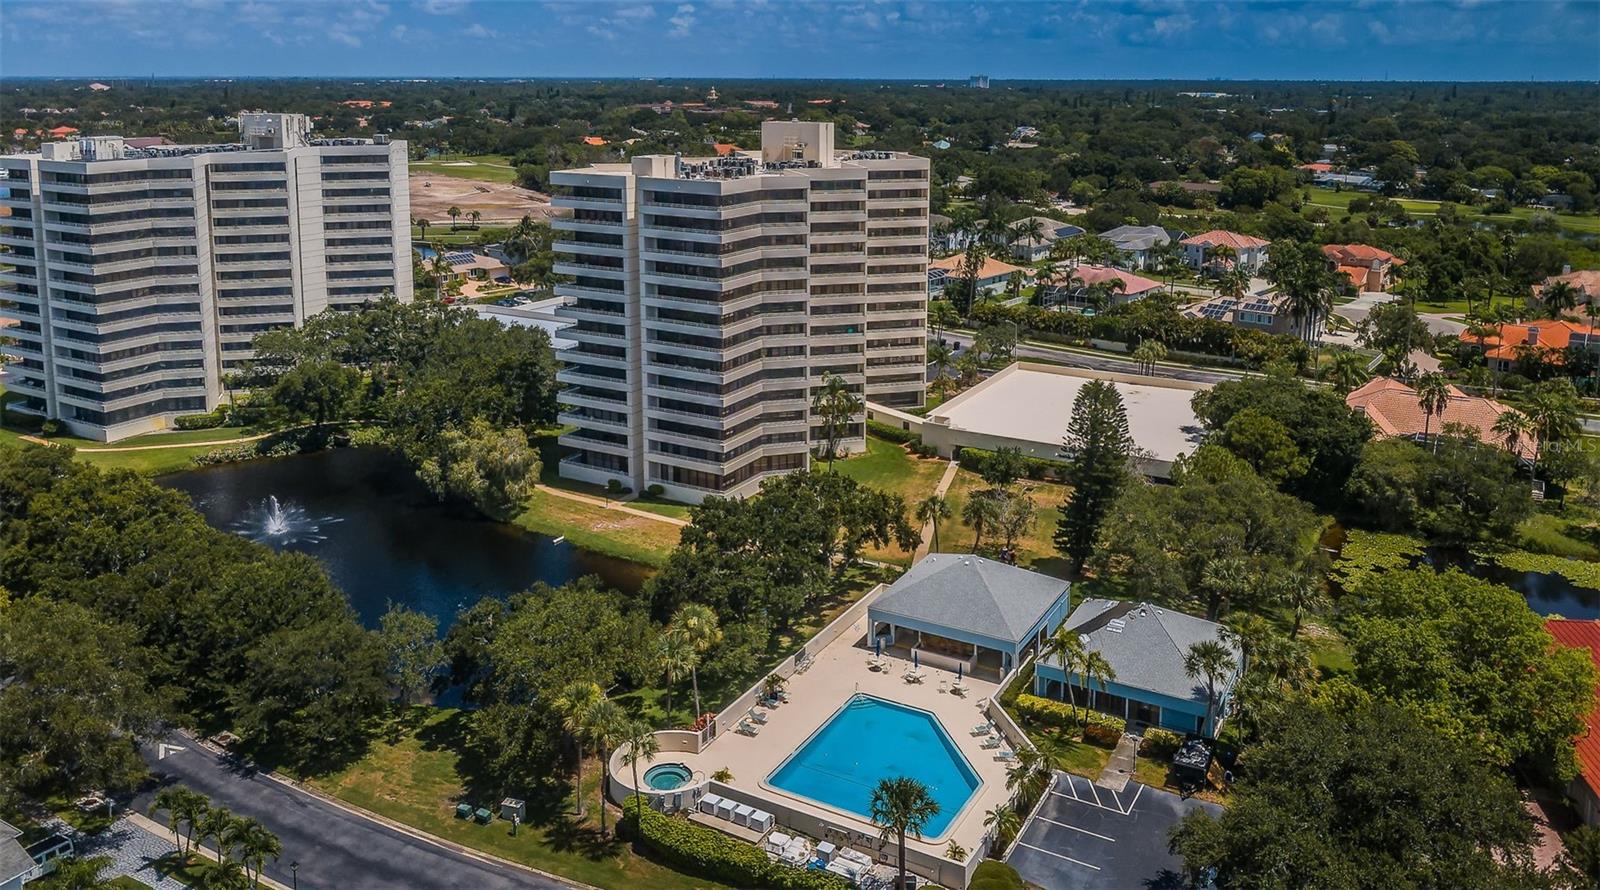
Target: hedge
{"type": "Point", "coordinates": [1102, 735]}
{"type": "Point", "coordinates": [1160, 744]}
{"type": "Point", "coordinates": [891, 433]}
{"type": "Point", "coordinates": [710, 853]}
{"type": "Point", "coordinates": [977, 459]}
{"type": "Point", "coordinates": [1063, 716]}
{"type": "Point", "coordinates": [992, 874]}
{"type": "Point", "coordinates": [201, 421]}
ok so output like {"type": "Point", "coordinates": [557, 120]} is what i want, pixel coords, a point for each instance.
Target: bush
{"type": "Point", "coordinates": [202, 421]}
{"type": "Point", "coordinates": [1060, 715]}
{"type": "Point", "coordinates": [992, 874]}
{"type": "Point", "coordinates": [1160, 744]}
{"type": "Point", "coordinates": [1102, 735]}
{"type": "Point", "coordinates": [709, 853]}
{"type": "Point", "coordinates": [654, 490]}
{"type": "Point", "coordinates": [978, 459]}
{"type": "Point", "coordinates": [50, 428]}
{"type": "Point", "coordinates": [890, 433]}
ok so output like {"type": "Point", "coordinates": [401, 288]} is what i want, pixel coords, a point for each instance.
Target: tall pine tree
{"type": "Point", "coordinates": [1097, 447]}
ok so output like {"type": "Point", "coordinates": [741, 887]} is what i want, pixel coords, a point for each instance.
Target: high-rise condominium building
{"type": "Point", "coordinates": [139, 275]}
{"type": "Point", "coordinates": [713, 298]}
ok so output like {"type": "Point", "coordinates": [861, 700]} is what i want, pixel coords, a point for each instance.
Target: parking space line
{"type": "Point", "coordinates": [1059, 856]}
{"type": "Point", "coordinates": [1135, 802]}
{"type": "Point", "coordinates": [1071, 788]}
{"type": "Point", "coordinates": [1096, 796]}
{"type": "Point", "coordinates": [1076, 828]}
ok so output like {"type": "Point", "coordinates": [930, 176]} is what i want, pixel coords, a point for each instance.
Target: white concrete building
{"type": "Point", "coordinates": [712, 297]}
{"type": "Point", "coordinates": [139, 276]}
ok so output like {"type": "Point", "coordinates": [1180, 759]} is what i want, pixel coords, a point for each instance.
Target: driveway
{"type": "Point", "coordinates": [1085, 837]}
{"type": "Point", "coordinates": [334, 847]}
{"type": "Point", "coordinates": [1357, 310]}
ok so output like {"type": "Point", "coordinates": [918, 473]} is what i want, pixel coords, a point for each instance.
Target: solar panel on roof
{"type": "Point", "coordinates": [456, 258]}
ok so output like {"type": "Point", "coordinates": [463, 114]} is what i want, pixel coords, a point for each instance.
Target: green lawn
{"type": "Point", "coordinates": [1571, 532]}
{"type": "Point", "coordinates": [439, 233]}
{"type": "Point", "coordinates": [593, 527]}
{"type": "Point", "coordinates": [420, 776]}
{"type": "Point", "coordinates": [889, 467]}
{"type": "Point", "coordinates": [661, 506]}
{"type": "Point", "coordinates": [1037, 550]}
{"type": "Point", "coordinates": [1588, 223]}
{"type": "Point", "coordinates": [491, 168]}
{"type": "Point", "coordinates": [1067, 753]}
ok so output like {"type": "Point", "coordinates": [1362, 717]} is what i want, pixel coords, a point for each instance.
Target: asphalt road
{"type": "Point", "coordinates": [1099, 362]}
{"type": "Point", "coordinates": [336, 849]}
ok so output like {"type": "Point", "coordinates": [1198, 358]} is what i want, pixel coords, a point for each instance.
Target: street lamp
{"type": "Point", "coordinates": [294, 873]}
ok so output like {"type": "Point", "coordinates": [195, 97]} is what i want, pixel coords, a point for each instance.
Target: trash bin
{"type": "Point", "coordinates": [511, 808]}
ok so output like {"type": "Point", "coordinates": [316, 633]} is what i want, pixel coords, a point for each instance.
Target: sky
{"type": "Point", "coordinates": [1148, 39]}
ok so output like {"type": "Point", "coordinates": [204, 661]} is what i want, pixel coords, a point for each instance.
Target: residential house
{"type": "Point", "coordinates": [1545, 338]}
{"type": "Point", "coordinates": [466, 265]}
{"type": "Point", "coordinates": [1317, 167]}
{"type": "Point", "coordinates": [1250, 253]}
{"type": "Point", "coordinates": [1585, 789]}
{"type": "Point", "coordinates": [1585, 281]}
{"type": "Point", "coordinates": [15, 863]}
{"type": "Point", "coordinates": [1396, 411]}
{"type": "Point", "coordinates": [1033, 249]}
{"type": "Point", "coordinates": [942, 145]}
{"type": "Point", "coordinates": [1363, 182]}
{"type": "Point", "coordinates": [1368, 268]}
{"type": "Point", "coordinates": [944, 237]}
{"type": "Point", "coordinates": [1257, 312]}
{"type": "Point", "coordinates": [1075, 291]}
{"type": "Point", "coordinates": [1139, 243]}
{"type": "Point", "coordinates": [62, 132]}
{"type": "Point", "coordinates": [1257, 136]}
{"type": "Point", "coordinates": [957, 610]}
{"type": "Point", "coordinates": [992, 278]}
{"type": "Point", "coordinates": [1146, 647]}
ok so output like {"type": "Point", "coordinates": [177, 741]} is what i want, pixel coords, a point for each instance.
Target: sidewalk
{"type": "Point", "coordinates": [610, 505]}
{"type": "Point", "coordinates": [938, 491]}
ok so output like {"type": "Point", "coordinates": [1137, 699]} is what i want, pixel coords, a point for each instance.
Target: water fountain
{"type": "Point", "coordinates": [271, 522]}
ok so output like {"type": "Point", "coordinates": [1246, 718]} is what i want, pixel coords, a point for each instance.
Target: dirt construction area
{"type": "Point", "coordinates": [432, 195]}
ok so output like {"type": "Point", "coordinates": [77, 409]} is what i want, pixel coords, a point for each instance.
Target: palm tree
{"type": "Point", "coordinates": [930, 510]}
{"type": "Point", "coordinates": [224, 875]}
{"type": "Point", "coordinates": [1031, 230]}
{"type": "Point", "coordinates": [455, 215]}
{"type": "Point", "coordinates": [1213, 662]}
{"type": "Point", "coordinates": [676, 656]}
{"type": "Point", "coordinates": [422, 224]}
{"type": "Point", "coordinates": [980, 510]}
{"type": "Point", "coordinates": [698, 623]}
{"type": "Point", "coordinates": [1348, 371]}
{"type": "Point", "coordinates": [185, 807]}
{"type": "Point", "coordinates": [1095, 669]}
{"type": "Point", "coordinates": [1559, 298]}
{"type": "Point", "coordinates": [836, 405]}
{"type": "Point", "coordinates": [475, 216]}
{"type": "Point", "coordinates": [605, 725]}
{"type": "Point", "coordinates": [902, 806]}
{"type": "Point", "coordinates": [573, 703]}
{"type": "Point", "coordinates": [216, 823]}
{"type": "Point", "coordinates": [1067, 646]}
{"type": "Point", "coordinates": [1221, 254]}
{"type": "Point", "coordinates": [1303, 592]}
{"type": "Point", "coordinates": [1148, 354]}
{"type": "Point", "coordinates": [942, 314]}
{"type": "Point", "coordinates": [1515, 430]}
{"type": "Point", "coordinates": [1433, 396]}
{"type": "Point", "coordinates": [1004, 821]}
{"type": "Point", "coordinates": [73, 873]}
{"type": "Point", "coordinates": [256, 844]}
{"type": "Point", "coordinates": [1029, 775]}
{"type": "Point", "coordinates": [941, 359]}
{"type": "Point", "coordinates": [642, 745]}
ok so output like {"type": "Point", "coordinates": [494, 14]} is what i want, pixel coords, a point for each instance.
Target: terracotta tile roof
{"type": "Point", "coordinates": [1316, 168]}
{"type": "Point", "coordinates": [1232, 239]}
{"type": "Point", "coordinates": [1395, 410]}
{"type": "Point", "coordinates": [593, 140]}
{"type": "Point", "coordinates": [63, 131]}
{"type": "Point", "coordinates": [1583, 635]}
{"type": "Point", "coordinates": [991, 266]}
{"type": "Point", "coordinates": [1132, 284]}
{"type": "Point", "coordinates": [1546, 334]}
{"type": "Point", "coordinates": [1356, 274]}
{"type": "Point", "coordinates": [724, 148]}
{"type": "Point", "coordinates": [1359, 255]}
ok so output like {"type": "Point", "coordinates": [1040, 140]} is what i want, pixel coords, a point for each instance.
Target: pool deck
{"type": "Point", "coordinates": [838, 672]}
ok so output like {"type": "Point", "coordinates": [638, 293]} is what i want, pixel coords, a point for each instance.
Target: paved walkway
{"type": "Point", "coordinates": [939, 491]}
{"type": "Point", "coordinates": [132, 849]}
{"type": "Point", "coordinates": [609, 505]}
{"type": "Point", "coordinates": [239, 441]}
{"type": "Point", "coordinates": [1119, 769]}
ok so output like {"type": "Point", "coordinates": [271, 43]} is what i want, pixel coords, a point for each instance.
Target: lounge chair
{"type": "Point", "coordinates": [984, 728]}
{"type": "Point", "coordinates": [758, 715]}
{"type": "Point", "coordinates": [912, 676]}
{"type": "Point", "coordinates": [747, 728]}
{"type": "Point", "coordinates": [1005, 755]}
{"type": "Point", "coordinates": [990, 743]}
{"type": "Point", "coordinates": [944, 685]}
{"type": "Point", "coordinates": [958, 689]}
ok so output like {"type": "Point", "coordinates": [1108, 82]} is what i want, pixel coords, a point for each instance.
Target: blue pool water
{"type": "Point", "coordinates": [870, 739]}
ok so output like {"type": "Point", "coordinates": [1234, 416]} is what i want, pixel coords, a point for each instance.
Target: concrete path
{"type": "Point", "coordinates": [336, 845]}
{"type": "Point", "coordinates": [38, 441]}
{"type": "Point", "coordinates": [1119, 769]}
{"type": "Point", "coordinates": [939, 490]}
{"type": "Point", "coordinates": [133, 850]}
{"type": "Point", "coordinates": [610, 505]}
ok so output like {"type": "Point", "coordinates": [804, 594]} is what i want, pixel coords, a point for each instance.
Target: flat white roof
{"type": "Point", "coordinates": [1034, 403]}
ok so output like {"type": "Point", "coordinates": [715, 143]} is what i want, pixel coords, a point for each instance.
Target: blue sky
{"type": "Point", "coordinates": [1247, 39]}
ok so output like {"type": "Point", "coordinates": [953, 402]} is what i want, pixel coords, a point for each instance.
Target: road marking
{"type": "Point", "coordinates": [163, 749]}
{"type": "Point", "coordinates": [1059, 856]}
{"type": "Point", "coordinates": [1076, 828]}
{"type": "Point", "coordinates": [1135, 802]}
{"type": "Point", "coordinates": [1074, 794]}
{"type": "Point", "coordinates": [1097, 797]}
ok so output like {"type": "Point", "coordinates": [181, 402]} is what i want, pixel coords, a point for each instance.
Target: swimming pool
{"type": "Point", "coordinates": [870, 739]}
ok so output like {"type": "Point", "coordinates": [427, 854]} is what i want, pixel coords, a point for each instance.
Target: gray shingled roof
{"type": "Point", "coordinates": [972, 594]}
{"type": "Point", "coordinates": [1147, 653]}
{"type": "Point", "coordinates": [1136, 237]}
{"type": "Point", "coordinates": [14, 860]}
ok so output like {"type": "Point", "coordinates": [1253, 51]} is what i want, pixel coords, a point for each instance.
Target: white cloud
{"type": "Point", "coordinates": [682, 21]}
{"type": "Point", "coordinates": [442, 7]}
{"type": "Point", "coordinates": [478, 31]}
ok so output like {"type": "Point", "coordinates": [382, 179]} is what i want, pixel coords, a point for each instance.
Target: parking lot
{"type": "Point", "coordinates": [1086, 837]}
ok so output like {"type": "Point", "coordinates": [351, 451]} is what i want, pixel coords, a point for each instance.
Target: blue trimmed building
{"type": "Point", "coordinates": [953, 609]}
{"type": "Point", "coordinates": [1145, 646]}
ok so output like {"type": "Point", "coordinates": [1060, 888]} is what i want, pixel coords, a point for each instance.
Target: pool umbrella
{"type": "Point", "coordinates": [914, 659]}
{"type": "Point", "coordinates": [877, 647]}
{"type": "Point", "coordinates": [958, 672]}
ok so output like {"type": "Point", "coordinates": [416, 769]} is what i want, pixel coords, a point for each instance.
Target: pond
{"type": "Point", "coordinates": [1547, 593]}
{"type": "Point", "coordinates": [362, 513]}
